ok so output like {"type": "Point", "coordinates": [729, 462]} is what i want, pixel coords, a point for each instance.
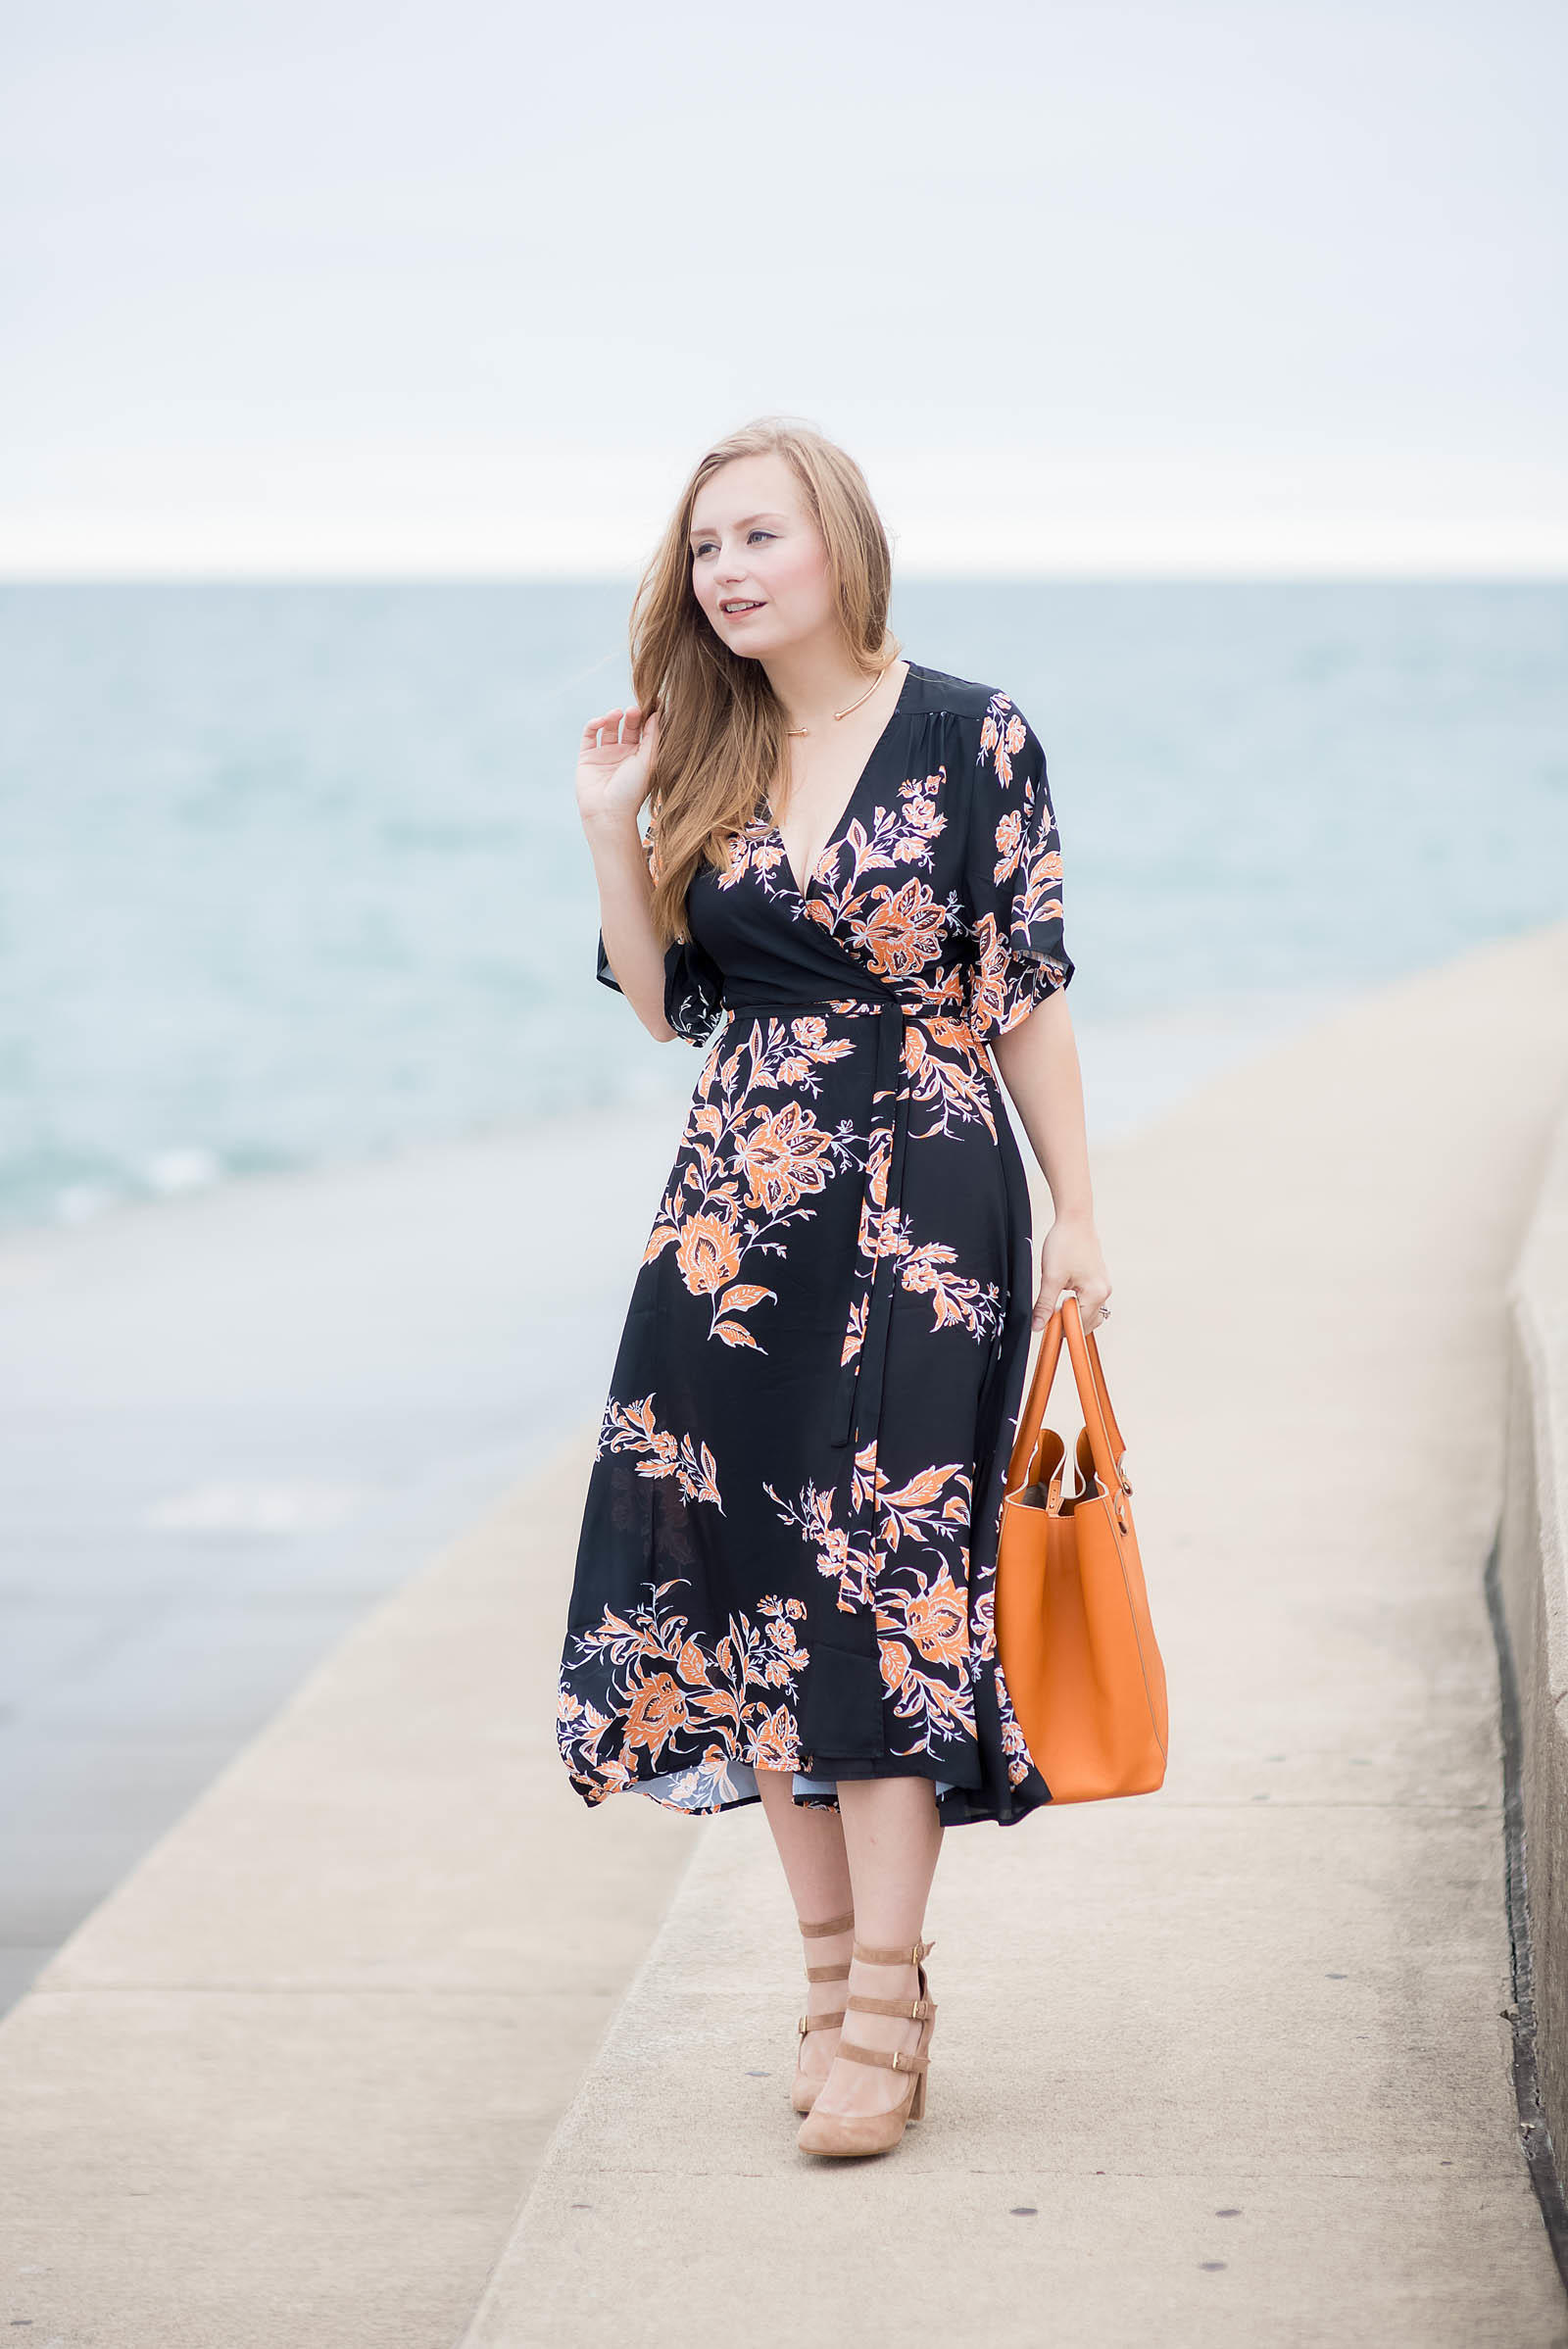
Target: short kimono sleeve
{"type": "Point", "coordinates": [694, 991]}
{"type": "Point", "coordinates": [1012, 875]}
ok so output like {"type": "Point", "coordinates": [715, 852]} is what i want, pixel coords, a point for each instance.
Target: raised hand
{"type": "Point", "coordinates": [614, 765]}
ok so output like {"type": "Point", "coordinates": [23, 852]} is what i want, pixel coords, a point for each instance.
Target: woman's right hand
{"type": "Point", "coordinates": [613, 773]}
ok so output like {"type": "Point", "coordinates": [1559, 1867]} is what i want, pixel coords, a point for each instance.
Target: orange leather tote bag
{"type": "Point", "coordinates": [1073, 1632]}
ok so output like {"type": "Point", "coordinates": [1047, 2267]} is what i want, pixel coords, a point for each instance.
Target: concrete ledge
{"type": "Point", "coordinates": [1532, 1559]}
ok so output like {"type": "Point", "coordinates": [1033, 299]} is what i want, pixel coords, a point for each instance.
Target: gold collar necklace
{"type": "Point", "coordinates": [855, 704]}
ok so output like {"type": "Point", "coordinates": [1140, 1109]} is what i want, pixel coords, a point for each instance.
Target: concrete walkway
{"type": "Point", "coordinates": [1228, 2064]}
{"type": "Point", "coordinates": [1224, 2065]}
{"type": "Point", "coordinates": [286, 2084]}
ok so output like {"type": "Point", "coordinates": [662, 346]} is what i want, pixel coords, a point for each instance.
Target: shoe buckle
{"type": "Point", "coordinates": [900, 2059]}
{"type": "Point", "coordinates": [803, 2026]}
{"type": "Point", "coordinates": [919, 2011]}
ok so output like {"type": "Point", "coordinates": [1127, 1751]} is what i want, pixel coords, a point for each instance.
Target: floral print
{"type": "Point", "coordinates": [665, 1684]}
{"type": "Point", "coordinates": [787, 1556]}
{"type": "Point", "coordinates": [749, 1166]}
{"type": "Point", "coordinates": [630, 1426]}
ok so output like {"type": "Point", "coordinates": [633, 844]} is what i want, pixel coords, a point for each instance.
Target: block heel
{"type": "Point", "coordinates": [837, 2134]}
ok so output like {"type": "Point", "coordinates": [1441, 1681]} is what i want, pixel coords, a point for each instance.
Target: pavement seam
{"type": "Point", "coordinates": [471, 2336]}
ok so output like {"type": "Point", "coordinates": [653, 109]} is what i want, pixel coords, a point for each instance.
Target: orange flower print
{"type": "Point", "coordinates": [755, 851]}
{"type": "Point", "coordinates": [657, 1711]}
{"type": "Point", "coordinates": [776, 1744]}
{"type": "Point", "coordinates": [921, 820]}
{"type": "Point", "coordinates": [1035, 904]}
{"type": "Point", "coordinates": [748, 1164]}
{"type": "Point", "coordinates": [1007, 983]}
{"type": "Point", "coordinates": [946, 1070]}
{"type": "Point", "coordinates": [904, 834]}
{"type": "Point", "coordinates": [632, 1428]}
{"type": "Point", "coordinates": [849, 1563]}
{"type": "Point", "coordinates": [707, 1255]}
{"type": "Point", "coordinates": [908, 1511]}
{"type": "Point", "coordinates": [783, 1157]}
{"type": "Point", "coordinates": [936, 1621]}
{"type": "Point", "coordinates": [903, 931]}
{"type": "Point", "coordinates": [989, 1000]}
{"type": "Point", "coordinates": [1002, 736]}
{"type": "Point", "coordinates": [815, 1050]}
{"type": "Point", "coordinates": [957, 1300]}
{"type": "Point", "coordinates": [1009, 845]}
{"type": "Point", "coordinates": [679, 1700]}
{"type": "Point", "coordinates": [896, 1666]}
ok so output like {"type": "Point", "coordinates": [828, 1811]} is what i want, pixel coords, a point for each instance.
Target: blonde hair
{"type": "Point", "coordinates": [722, 727]}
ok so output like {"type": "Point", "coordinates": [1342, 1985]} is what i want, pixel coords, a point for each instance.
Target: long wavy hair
{"type": "Point", "coordinates": [722, 727]}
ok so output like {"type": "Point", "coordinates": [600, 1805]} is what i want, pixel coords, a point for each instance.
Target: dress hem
{"type": "Point", "coordinates": [728, 1783]}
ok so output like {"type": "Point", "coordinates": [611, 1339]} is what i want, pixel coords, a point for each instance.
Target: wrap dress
{"type": "Point", "coordinates": [788, 1548]}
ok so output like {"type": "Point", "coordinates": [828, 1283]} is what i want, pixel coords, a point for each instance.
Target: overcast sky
{"type": "Point", "coordinates": [326, 288]}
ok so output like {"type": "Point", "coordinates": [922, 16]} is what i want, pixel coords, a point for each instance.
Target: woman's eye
{"type": "Point", "coordinates": [706, 546]}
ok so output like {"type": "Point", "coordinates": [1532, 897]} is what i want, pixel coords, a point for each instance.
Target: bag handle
{"type": "Point", "coordinates": [1094, 1399]}
{"type": "Point", "coordinates": [1104, 1436]}
{"type": "Point", "coordinates": [1032, 1417]}
{"type": "Point", "coordinates": [1118, 1443]}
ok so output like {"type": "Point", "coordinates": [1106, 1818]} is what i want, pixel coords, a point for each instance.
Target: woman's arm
{"type": "Point", "coordinates": [613, 780]}
{"type": "Point", "coordinates": [1038, 1057]}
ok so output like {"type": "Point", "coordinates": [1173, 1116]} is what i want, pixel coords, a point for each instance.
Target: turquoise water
{"type": "Point", "coordinates": [293, 873]}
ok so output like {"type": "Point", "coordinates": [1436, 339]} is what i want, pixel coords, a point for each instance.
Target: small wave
{"type": "Point", "coordinates": [255, 1508]}
{"type": "Point", "coordinates": [79, 1203]}
{"type": "Point", "coordinates": [172, 1172]}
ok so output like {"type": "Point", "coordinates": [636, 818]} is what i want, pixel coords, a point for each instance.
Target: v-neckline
{"type": "Point", "coordinates": [843, 816]}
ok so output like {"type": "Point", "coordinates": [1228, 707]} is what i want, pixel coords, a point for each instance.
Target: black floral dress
{"type": "Point", "coordinates": [788, 1549]}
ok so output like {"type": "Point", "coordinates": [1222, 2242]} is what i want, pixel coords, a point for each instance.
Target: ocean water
{"type": "Point", "coordinates": [292, 874]}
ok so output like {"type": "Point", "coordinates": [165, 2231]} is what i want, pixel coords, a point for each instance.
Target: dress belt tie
{"type": "Point", "coordinates": [857, 1404]}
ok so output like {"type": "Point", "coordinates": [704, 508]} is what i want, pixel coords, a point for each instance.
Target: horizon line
{"type": "Point", "coordinates": [414, 575]}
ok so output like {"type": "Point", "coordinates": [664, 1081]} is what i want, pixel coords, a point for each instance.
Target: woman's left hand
{"type": "Point", "coordinates": [1070, 1257]}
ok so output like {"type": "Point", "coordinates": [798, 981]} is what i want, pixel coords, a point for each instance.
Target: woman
{"type": "Point", "coordinates": [785, 1579]}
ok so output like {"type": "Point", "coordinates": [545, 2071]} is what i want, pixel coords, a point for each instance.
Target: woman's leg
{"type": "Point", "coordinates": [892, 1836]}
{"type": "Point", "coordinates": [810, 1844]}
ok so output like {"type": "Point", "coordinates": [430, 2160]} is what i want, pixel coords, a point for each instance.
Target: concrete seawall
{"type": "Point", "coordinates": [1533, 1566]}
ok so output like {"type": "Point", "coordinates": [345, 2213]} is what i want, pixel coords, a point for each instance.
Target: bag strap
{"type": "Point", "coordinates": [1119, 1444]}
{"type": "Point", "coordinates": [1104, 1436]}
{"type": "Point", "coordinates": [1032, 1416]}
{"type": "Point", "coordinates": [1094, 1398]}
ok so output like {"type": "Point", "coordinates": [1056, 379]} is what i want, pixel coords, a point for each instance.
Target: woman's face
{"type": "Point", "coordinates": [753, 544]}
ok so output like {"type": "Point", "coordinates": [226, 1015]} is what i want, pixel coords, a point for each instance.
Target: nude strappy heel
{"type": "Point", "coordinates": [803, 2087]}
{"type": "Point", "coordinates": [879, 2133]}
